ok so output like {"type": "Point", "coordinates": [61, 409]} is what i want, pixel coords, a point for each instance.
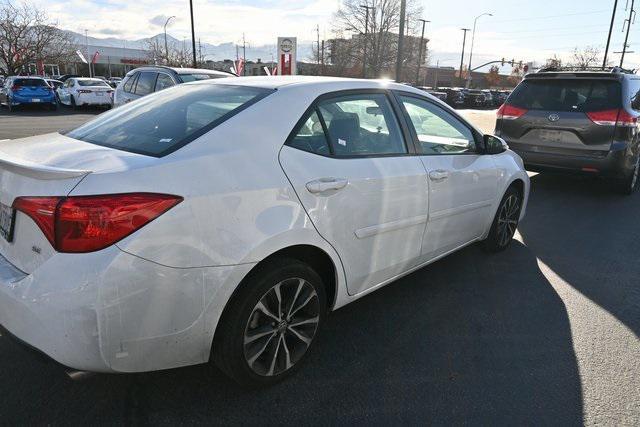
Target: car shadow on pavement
{"type": "Point", "coordinates": [474, 338]}
{"type": "Point", "coordinates": [41, 110]}
{"type": "Point", "coordinates": [602, 229]}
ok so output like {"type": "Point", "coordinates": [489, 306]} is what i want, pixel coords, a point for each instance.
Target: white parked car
{"type": "Point", "coordinates": [225, 218]}
{"type": "Point", "coordinates": [80, 91]}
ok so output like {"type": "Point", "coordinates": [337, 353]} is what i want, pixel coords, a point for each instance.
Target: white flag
{"type": "Point", "coordinates": [82, 58]}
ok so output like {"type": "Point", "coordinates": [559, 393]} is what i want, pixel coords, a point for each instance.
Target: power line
{"type": "Point", "coordinates": [552, 16]}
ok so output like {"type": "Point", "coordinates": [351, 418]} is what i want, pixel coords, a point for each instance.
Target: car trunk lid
{"type": "Point", "coordinates": [47, 165]}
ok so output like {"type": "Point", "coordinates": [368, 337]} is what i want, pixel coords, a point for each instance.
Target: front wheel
{"type": "Point", "coordinates": [270, 324]}
{"type": "Point", "coordinates": [505, 222]}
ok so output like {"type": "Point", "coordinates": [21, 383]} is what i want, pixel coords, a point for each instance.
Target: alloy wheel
{"type": "Point", "coordinates": [281, 327]}
{"type": "Point", "coordinates": [508, 219]}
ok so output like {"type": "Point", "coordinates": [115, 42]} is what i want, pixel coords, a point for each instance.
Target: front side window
{"type": "Point", "coordinates": [164, 81]}
{"type": "Point", "coordinates": [438, 131]}
{"type": "Point", "coordinates": [161, 123]}
{"type": "Point", "coordinates": [362, 125]}
{"type": "Point", "coordinates": [146, 83]}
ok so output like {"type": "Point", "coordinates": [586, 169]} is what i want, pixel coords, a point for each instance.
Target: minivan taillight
{"type": "Point", "coordinates": [616, 117]}
{"type": "Point", "coordinates": [90, 223]}
{"type": "Point", "coordinates": [510, 112]}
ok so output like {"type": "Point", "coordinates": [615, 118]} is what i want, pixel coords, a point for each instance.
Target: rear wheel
{"type": "Point", "coordinates": [10, 105]}
{"type": "Point", "coordinates": [629, 184]}
{"type": "Point", "coordinates": [270, 325]}
{"type": "Point", "coordinates": [505, 222]}
{"type": "Point", "coordinates": [73, 103]}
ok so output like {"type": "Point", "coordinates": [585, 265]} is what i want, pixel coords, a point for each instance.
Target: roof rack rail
{"type": "Point", "coordinates": [614, 70]}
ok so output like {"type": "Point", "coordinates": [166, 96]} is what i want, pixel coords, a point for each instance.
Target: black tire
{"type": "Point", "coordinates": [235, 341]}
{"type": "Point", "coordinates": [9, 106]}
{"type": "Point", "coordinates": [499, 237]}
{"type": "Point", "coordinates": [629, 184]}
{"type": "Point", "coordinates": [73, 103]}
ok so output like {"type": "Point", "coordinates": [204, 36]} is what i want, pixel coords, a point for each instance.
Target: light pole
{"type": "Point", "coordinates": [606, 49]}
{"type": "Point", "coordinates": [166, 45]}
{"type": "Point", "coordinates": [473, 37]}
{"type": "Point", "coordinates": [424, 23]}
{"type": "Point", "coordinates": [464, 42]}
{"type": "Point", "coordinates": [366, 33]}
{"type": "Point", "coordinates": [193, 36]}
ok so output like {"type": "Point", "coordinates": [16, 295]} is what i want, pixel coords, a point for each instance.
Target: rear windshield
{"type": "Point", "coordinates": [579, 95]}
{"type": "Point", "coordinates": [193, 77]}
{"type": "Point", "coordinates": [160, 123]}
{"type": "Point", "coordinates": [29, 82]}
{"type": "Point", "coordinates": [95, 82]}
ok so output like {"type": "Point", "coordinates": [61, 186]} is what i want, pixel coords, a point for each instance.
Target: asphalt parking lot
{"type": "Point", "coordinates": [545, 333]}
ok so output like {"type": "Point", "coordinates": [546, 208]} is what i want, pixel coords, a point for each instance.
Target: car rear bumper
{"type": "Point", "coordinates": [110, 311]}
{"type": "Point", "coordinates": [94, 100]}
{"type": "Point", "coordinates": [613, 163]}
{"type": "Point", "coordinates": [46, 99]}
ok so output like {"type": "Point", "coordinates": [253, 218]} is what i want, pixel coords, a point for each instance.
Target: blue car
{"type": "Point", "coordinates": [19, 91]}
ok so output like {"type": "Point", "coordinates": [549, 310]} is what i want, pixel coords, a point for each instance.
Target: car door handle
{"type": "Point", "coordinates": [323, 185]}
{"type": "Point", "coordinates": [438, 175]}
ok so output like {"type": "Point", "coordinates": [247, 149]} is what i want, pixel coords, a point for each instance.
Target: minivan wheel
{"type": "Point", "coordinates": [270, 325]}
{"type": "Point", "coordinates": [629, 184]}
{"type": "Point", "coordinates": [505, 222]}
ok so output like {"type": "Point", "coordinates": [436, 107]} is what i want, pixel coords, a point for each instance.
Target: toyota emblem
{"type": "Point", "coordinates": [554, 117]}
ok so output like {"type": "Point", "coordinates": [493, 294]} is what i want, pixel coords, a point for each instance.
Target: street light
{"type": "Point", "coordinates": [166, 46]}
{"type": "Point", "coordinates": [424, 23]}
{"type": "Point", "coordinates": [473, 36]}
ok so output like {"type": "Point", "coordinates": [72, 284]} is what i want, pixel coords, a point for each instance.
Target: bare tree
{"type": "Point", "coordinates": [554, 62]}
{"type": "Point", "coordinates": [27, 36]}
{"type": "Point", "coordinates": [517, 73]}
{"type": "Point", "coordinates": [493, 76]}
{"type": "Point", "coordinates": [175, 57]}
{"type": "Point", "coordinates": [586, 57]}
{"type": "Point", "coordinates": [382, 28]}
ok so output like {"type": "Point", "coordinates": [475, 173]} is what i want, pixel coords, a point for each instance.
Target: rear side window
{"type": "Point", "coordinates": [161, 123]}
{"type": "Point", "coordinates": [129, 84]}
{"type": "Point", "coordinates": [577, 95]}
{"type": "Point", "coordinates": [146, 83]}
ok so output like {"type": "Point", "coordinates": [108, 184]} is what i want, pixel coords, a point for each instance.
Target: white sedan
{"type": "Point", "coordinates": [223, 219]}
{"type": "Point", "coordinates": [80, 91]}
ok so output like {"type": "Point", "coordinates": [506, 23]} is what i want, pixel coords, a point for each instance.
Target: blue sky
{"type": "Point", "coordinates": [527, 30]}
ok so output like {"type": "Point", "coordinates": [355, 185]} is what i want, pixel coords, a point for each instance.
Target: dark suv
{"type": "Point", "coordinates": [576, 121]}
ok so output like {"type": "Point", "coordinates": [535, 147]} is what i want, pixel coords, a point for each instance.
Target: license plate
{"type": "Point", "coordinates": [7, 220]}
{"type": "Point", "coordinates": [551, 135]}
{"type": "Point", "coordinates": [35, 100]}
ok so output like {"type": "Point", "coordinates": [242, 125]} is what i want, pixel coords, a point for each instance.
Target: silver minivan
{"type": "Point", "coordinates": [145, 80]}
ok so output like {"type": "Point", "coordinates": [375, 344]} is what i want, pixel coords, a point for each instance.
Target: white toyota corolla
{"type": "Point", "coordinates": [222, 219]}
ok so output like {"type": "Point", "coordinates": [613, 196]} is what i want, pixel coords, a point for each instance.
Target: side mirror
{"type": "Point", "coordinates": [494, 145]}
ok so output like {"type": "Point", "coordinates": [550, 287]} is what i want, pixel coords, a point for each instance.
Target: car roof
{"type": "Point", "coordinates": [276, 82]}
{"type": "Point", "coordinates": [180, 70]}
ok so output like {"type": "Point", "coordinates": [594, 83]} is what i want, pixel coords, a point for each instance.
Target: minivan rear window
{"type": "Point", "coordinates": [161, 123]}
{"type": "Point", "coordinates": [577, 95]}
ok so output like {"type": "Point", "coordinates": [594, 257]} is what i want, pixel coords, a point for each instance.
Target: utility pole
{"type": "Point", "coordinates": [403, 12]}
{"type": "Point", "coordinates": [193, 35]}
{"type": "Point", "coordinates": [322, 63]}
{"type": "Point", "coordinates": [424, 23]}
{"type": "Point", "coordinates": [166, 45]}
{"type": "Point", "coordinates": [366, 37]}
{"type": "Point", "coordinates": [464, 42]}
{"type": "Point", "coordinates": [606, 50]}
{"type": "Point", "coordinates": [628, 22]}
{"type": "Point", "coordinates": [318, 44]}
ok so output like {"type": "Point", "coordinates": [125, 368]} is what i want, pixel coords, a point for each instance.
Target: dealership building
{"type": "Point", "coordinates": [110, 62]}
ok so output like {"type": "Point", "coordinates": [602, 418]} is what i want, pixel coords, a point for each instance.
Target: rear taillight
{"type": "Point", "coordinates": [617, 117]}
{"type": "Point", "coordinates": [509, 112]}
{"type": "Point", "coordinates": [15, 88]}
{"type": "Point", "coordinates": [90, 223]}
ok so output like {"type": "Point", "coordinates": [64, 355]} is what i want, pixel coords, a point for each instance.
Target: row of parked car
{"type": "Point", "coordinates": [469, 98]}
{"type": "Point", "coordinates": [76, 91]}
